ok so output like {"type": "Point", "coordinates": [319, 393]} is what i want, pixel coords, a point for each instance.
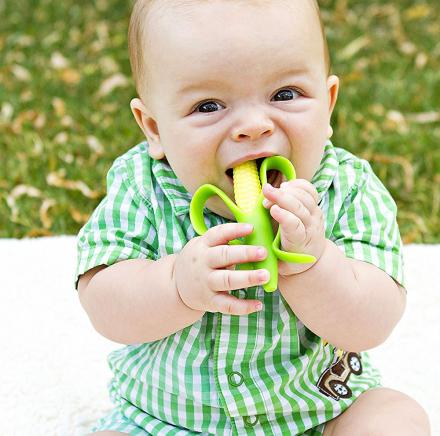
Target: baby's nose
{"type": "Point", "coordinates": [252, 126]}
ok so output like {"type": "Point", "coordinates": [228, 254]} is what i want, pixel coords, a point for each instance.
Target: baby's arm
{"type": "Point", "coordinates": [139, 300]}
{"type": "Point", "coordinates": [135, 301]}
{"type": "Point", "coordinates": [354, 305]}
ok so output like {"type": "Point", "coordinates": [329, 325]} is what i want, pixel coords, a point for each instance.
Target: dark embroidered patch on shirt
{"type": "Point", "coordinates": [334, 380]}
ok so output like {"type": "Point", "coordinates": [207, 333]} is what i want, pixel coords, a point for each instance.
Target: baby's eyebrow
{"type": "Point", "coordinates": [209, 85]}
{"type": "Point", "coordinates": [201, 86]}
{"type": "Point", "coordinates": [299, 71]}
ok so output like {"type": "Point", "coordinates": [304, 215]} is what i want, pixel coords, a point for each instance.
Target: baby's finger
{"type": "Point", "coordinates": [228, 304]}
{"type": "Point", "coordinates": [303, 196]}
{"type": "Point", "coordinates": [223, 233]}
{"type": "Point", "coordinates": [289, 203]}
{"type": "Point", "coordinates": [223, 256]}
{"type": "Point", "coordinates": [291, 225]}
{"type": "Point", "coordinates": [228, 280]}
{"type": "Point", "coordinates": [306, 186]}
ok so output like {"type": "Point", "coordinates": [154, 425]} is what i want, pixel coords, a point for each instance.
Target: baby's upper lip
{"type": "Point", "coordinates": [248, 157]}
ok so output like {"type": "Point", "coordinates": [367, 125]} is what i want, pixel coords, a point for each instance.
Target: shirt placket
{"type": "Point", "coordinates": [233, 380]}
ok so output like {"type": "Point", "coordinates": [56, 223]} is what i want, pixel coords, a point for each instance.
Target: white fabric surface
{"type": "Point", "coordinates": [53, 364]}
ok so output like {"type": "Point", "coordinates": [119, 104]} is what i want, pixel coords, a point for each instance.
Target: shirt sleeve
{"type": "Point", "coordinates": [120, 228]}
{"type": "Point", "coordinates": [366, 228]}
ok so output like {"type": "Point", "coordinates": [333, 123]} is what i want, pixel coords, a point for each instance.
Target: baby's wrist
{"type": "Point", "coordinates": [287, 269]}
{"type": "Point", "coordinates": [177, 281]}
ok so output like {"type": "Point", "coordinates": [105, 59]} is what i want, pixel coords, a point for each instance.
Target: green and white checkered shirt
{"type": "Point", "coordinates": [258, 374]}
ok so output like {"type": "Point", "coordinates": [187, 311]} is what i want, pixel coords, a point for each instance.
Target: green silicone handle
{"type": "Point", "coordinates": [262, 235]}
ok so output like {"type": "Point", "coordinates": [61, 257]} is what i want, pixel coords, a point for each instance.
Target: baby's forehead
{"type": "Point", "coordinates": [185, 7]}
{"type": "Point", "coordinates": [160, 10]}
{"type": "Point", "coordinates": [152, 20]}
{"type": "Point", "coordinates": [308, 10]}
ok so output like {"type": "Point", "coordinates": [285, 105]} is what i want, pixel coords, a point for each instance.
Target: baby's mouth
{"type": "Point", "coordinates": [274, 177]}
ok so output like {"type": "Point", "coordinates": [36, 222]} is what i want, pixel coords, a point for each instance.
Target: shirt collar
{"type": "Point", "coordinates": [180, 198]}
{"type": "Point", "coordinates": [326, 172]}
{"type": "Point", "coordinates": [171, 187]}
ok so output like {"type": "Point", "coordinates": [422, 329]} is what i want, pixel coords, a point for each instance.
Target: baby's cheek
{"type": "Point", "coordinates": [307, 153]}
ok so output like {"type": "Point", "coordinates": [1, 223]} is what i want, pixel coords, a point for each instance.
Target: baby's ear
{"type": "Point", "coordinates": [148, 126]}
{"type": "Point", "coordinates": [332, 89]}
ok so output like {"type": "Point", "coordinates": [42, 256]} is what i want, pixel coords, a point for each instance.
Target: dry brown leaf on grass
{"type": "Point", "coordinates": [424, 117]}
{"type": "Point", "coordinates": [24, 40]}
{"type": "Point", "coordinates": [353, 76]}
{"type": "Point", "coordinates": [78, 216]}
{"type": "Point", "coordinates": [44, 216]}
{"type": "Point", "coordinates": [108, 85]}
{"type": "Point", "coordinates": [108, 65]}
{"type": "Point", "coordinates": [396, 120]}
{"type": "Point", "coordinates": [407, 48]}
{"type": "Point", "coordinates": [59, 106]}
{"type": "Point", "coordinates": [58, 180]}
{"type": "Point", "coordinates": [416, 12]}
{"type": "Point", "coordinates": [399, 121]}
{"type": "Point", "coordinates": [395, 21]}
{"type": "Point", "coordinates": [421, 60]}
{"type": "Point", "coordinates": [17, 192]}
{"type": "Point", "coordinates": [25, 95]}
{"type": "Point", "coordinates": [38, 233]}
{"type": "Point", "coordinates": [95, 145]}
{"type": "Point", "coordinates": [21, 73]}
{"type": "Point", "coordinates": [411, 236]}
{"type": "Point", "coordinates": [6, 112]}
{"type": "Point", "coordinates": [61, 137]}
{"type": "Point", "coordinates": [38, 119]}
{"type": "Point", "coordinates": [67, 121]}
{"type": "Point", "coordinates": [70, 76]}
{"type": "Point", "coordinates": [58, 61]}
{"type": "Point", "coordinates": [353, 47]}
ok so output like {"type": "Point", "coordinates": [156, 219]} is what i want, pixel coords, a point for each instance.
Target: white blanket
{"type": "Point", "coordinates": [53, 364]}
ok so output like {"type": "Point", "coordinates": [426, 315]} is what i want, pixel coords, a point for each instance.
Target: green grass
{"type": "Point", "coordinates": [59, 134]}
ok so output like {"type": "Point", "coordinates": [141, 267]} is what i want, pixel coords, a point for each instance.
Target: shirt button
{"type": "Point", "coordinates": [235, 378]}
{"type": "Point", "coordinates": [250, 421]}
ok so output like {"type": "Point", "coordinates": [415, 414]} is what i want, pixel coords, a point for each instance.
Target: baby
{"type": "Point", "coordinates": [208, 351]}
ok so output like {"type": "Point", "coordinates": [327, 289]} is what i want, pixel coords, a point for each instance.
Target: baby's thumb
{"type": "Point", "coordinates": [226, 303]}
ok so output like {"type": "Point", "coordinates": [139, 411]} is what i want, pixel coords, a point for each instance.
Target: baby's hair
{"type": "Point", "coordinates": [137, 33]}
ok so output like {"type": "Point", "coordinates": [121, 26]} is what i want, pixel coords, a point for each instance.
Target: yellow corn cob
{"type": "Point", "coordinates": [247, 186]}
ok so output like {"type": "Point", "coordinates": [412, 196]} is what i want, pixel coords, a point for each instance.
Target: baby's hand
{"type": "Point", "coordinates": [294, 205]}
{"type": "Point", "coordinates": [204, 272]}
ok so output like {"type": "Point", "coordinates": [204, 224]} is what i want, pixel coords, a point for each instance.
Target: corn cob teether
{"type": "Point", "coordinates": [247, 186]}
{"type": "Point", "coordinates": [249, 209]}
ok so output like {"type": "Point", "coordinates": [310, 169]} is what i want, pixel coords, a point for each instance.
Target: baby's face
{"type": "Point", "coordinates": [236, 80]}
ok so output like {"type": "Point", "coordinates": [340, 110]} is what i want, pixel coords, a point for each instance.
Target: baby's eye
{"type": "Point", "coordinates": [208, 106]}
{"type": "Point", "coordinates": [286, 94]}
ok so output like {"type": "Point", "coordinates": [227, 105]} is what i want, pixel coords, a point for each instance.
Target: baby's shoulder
{"type": "Point", "coordinates": [134, 170]}
{"type": "Point", "coordinates": [352, 170]}
{"type": "Point", "coordinates": [355, 180]}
